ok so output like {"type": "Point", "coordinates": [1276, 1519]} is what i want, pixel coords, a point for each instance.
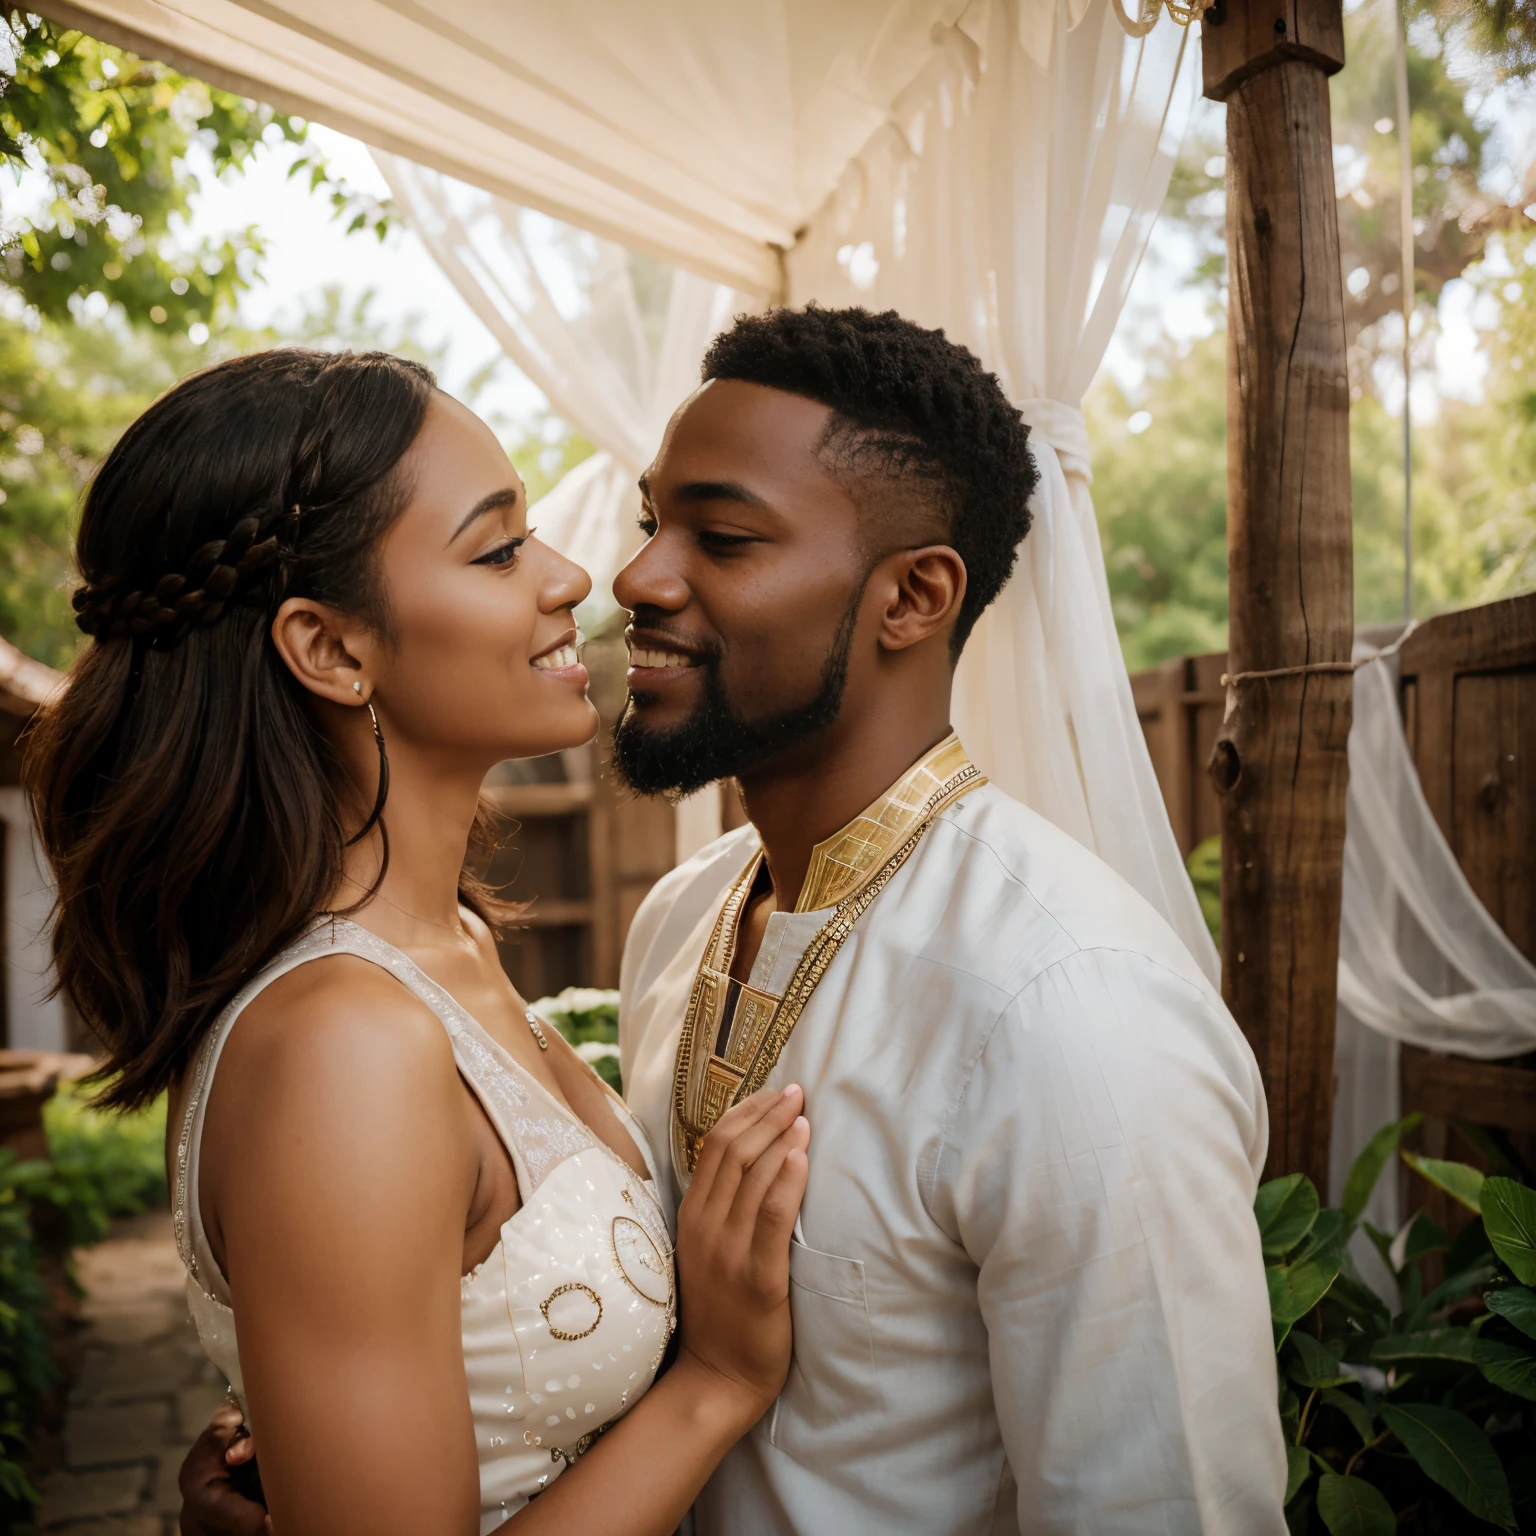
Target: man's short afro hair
{"type": "Point", "coordinates": [911, 408]}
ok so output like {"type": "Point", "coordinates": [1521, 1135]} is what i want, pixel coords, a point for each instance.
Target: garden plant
{"type": "Point", "coordinates": [1416, 1414]}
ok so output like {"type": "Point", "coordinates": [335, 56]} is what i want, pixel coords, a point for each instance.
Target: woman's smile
{"type": "Point", "coordinates": [562, 659]}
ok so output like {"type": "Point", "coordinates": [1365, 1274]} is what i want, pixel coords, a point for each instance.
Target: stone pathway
{"type": "Point", "coordinates": [144, 1391]}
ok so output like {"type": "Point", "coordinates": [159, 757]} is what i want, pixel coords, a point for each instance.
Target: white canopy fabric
{"type": "Point", "coordinates": [707, 132]}
{"type": "Point", "coordinates": [989, 166]}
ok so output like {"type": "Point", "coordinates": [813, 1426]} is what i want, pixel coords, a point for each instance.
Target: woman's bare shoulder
{"type": "Point", "coordinates": [336, 1027]}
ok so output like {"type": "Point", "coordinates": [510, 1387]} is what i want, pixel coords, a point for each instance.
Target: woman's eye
{"type": "Point", "coordinates": [648, 525]}
{"type": "Point", "coordinates": [503, 554]}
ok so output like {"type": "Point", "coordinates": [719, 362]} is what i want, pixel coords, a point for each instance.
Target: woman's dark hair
{"type": "Point", "coordinates": [186, 798]}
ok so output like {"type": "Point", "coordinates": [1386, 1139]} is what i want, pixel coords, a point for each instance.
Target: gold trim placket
{"type": "Point", "coordinates": [850, 869]}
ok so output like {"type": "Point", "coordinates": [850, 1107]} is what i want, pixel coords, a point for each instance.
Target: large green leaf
{"type": "Point", "coordinates": [1511, 1366]}
{"type": "Point", "coordinates": [1420, 1234]}
{"type": "Point", "coordinates": [1367, 1167]}
{"type": "Point", "coordinates": [1452, 1289]}
{"type": "Point", "coordinates": [1470, 1246]}
{"type": "Point", "coordinates": [1515, 1304]}
{"type": "Point", "coordinates": [1329, 1233]}
{"type": "Point", "coordinates": [1294, 1289]}
{"type": "Point", "coordinates": [1298, 1468]}
{"type": "Point", "coordinates": [1441, 1344]}
{"type": "Point", "coordinates": [1459, 1180]}
{"type": "Point", "coordinates": [1350, 1506]}
{"type": "Point", "coordinates": [1509, 1214]}
{"type": "Point", "coordinates": [1311, 1364]}
{"type": "Point", "coordinates": [1452, 1451]}
{"type": "Point", "coordinates": [1285, 1210]}
{"type": "Point", "coordinates": [1354, 1410]}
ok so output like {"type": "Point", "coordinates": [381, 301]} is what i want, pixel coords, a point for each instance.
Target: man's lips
{"type": "Point", "coordinates": [652, 655]}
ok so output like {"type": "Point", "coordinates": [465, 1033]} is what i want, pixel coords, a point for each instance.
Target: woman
{"type": "Point", "coordinates": [319, 619]}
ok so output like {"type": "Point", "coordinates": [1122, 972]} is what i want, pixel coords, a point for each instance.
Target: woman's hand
{"type": "Point", "coordinates": [733, 1234]}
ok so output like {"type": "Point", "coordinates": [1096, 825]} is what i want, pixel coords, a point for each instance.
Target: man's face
{"type": "Point", "coordinates": [745, 598]}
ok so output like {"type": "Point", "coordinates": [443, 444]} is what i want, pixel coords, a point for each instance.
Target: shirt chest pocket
{"type": "Point", "coordinates": [832, 1389]}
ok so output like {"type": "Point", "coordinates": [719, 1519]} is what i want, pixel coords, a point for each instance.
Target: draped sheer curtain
{"type": "Point", "coordinates": [1421, 960]}
{"type": "Point", "coordinates": [1009, 200]}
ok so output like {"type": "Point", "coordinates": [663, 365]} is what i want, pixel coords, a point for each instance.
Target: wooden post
{"type": "Point", "coordinates": [1280, 763]}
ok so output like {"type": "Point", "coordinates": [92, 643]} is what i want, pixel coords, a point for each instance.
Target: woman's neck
{"type": "Point", "coordinates": [429, 814]}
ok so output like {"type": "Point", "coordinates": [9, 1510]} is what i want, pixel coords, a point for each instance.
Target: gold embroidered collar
{"type": "Point", "coordinates": [733, 1033]}
{"type": "Point", "coordinates": [841, 864]}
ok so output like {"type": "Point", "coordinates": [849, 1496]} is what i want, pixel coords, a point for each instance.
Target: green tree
{"type": "Point", "coordinates": [104, 300]}
{"type": "Point", "coordinates": [1161, 495]}
{"type": "Point", "coordinates": [97, 142]}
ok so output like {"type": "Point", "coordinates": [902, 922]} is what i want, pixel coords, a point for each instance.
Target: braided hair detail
{"type": "Point", "coordinates": [217, 576]}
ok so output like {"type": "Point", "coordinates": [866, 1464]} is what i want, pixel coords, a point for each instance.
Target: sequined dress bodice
{"type": "Point", "coordinates": [565, 1323]}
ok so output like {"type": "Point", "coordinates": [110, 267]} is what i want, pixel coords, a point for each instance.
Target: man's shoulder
{"type": "Point", "coordinates": [1039, 896]}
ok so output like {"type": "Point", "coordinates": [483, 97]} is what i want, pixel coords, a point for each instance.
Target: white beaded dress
{"type": "Point", "coordinates": [567, 1320]}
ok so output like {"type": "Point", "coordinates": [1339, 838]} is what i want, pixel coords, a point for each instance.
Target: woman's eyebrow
{"type": "Point", "coordinates": [507, 496]}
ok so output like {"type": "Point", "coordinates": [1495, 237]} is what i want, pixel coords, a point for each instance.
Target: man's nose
{"type": "Point", "coordinates": [654, 578]}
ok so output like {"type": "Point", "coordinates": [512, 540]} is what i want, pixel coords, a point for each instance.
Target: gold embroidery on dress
{"type": "Point", "coordinates": [732, 1033]}
{"type": "Point", "coordinates": [569, 1336]}
{"type": "Point", "coordinates": [641, 1264]}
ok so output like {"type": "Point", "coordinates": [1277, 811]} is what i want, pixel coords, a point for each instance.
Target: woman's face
{"type": "Point", "coordinates": [483, 660]}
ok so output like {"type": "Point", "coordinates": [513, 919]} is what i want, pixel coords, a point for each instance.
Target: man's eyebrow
{"type": "Point", "coordinates": [507, 496]}
{"type": "Point", "coordinates": [719, 490]}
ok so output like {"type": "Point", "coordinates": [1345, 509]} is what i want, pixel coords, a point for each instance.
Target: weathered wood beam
{"type": "Point", "coordinates": [1279, 764]}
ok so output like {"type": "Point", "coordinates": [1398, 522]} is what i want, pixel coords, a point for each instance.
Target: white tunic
{"type": "Point", "coordinates": [565, 1323]}
{"type": "Point", "coordinates": [1027, 1288]}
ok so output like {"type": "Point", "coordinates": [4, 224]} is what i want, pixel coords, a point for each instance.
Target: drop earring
{"type": "Point", "coordinates": [375, 818]}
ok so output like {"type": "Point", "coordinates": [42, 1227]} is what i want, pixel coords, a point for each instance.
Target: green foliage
{"type": "Point", "coordinates": [1161, 498]}
{"type": "Point", "coordinates": [546, 453]}
{"type": "Point", "coordinates": [104, 1164]}
{"type": "Point", "coordinates": [1372, 1159]}
{"type": "Point", "coordinates": [1420, 1415]}
{"type": "Point", "coordinates": [1161, 494]}
{"type": "Point", "coordinates": [98, 139]}
{"type": "Point", "coordinates": [1509, 1216]}
{"type": "Point", "coordinates": [67, 391]}
{"type": "Point", "coordinates": [1204, 865]}
{"type": "Point", "coordinates": [105, 301]}
{"type": "Point", "coordinates": [100, 1165]}
{"type": "Point", "coordinates": [25, 1369]}
{"type": "Point", "coordinates": [589, 1018]}
{"type": "Point", "coordinates": [1460, 1182]}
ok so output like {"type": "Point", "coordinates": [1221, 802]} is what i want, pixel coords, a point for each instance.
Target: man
{"type": "Point", "coordinates": [1026, 1284]}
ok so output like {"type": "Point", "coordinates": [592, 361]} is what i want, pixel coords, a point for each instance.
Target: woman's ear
{"type": "Point", "coordinates": [927, 586]}
{"type": "Point", "coordinates": [326, 651]}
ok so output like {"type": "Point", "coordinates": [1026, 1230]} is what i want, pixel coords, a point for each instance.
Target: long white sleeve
{"type": "Point", "coordinates": [1100, 1171]}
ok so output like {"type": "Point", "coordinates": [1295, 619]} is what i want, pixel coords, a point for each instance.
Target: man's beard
{"type": "Point", "coordinates": [715, 742]}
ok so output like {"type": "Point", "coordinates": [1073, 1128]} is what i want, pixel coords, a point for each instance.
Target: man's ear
{"type": "Point", "coordinates": [924, 594]}
{"type": "Point", "coordinates": [325, 650]}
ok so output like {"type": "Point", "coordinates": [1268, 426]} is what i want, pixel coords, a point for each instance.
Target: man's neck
{"type": "Point", "coordinates": [818, 789]}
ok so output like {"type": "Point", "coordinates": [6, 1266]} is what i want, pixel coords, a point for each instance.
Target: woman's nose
{"type": "Point", "coordinates": [565, 585]}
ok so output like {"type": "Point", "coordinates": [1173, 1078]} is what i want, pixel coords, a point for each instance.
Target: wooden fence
{"type": "Point", "coordinates": [1469, 705]}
